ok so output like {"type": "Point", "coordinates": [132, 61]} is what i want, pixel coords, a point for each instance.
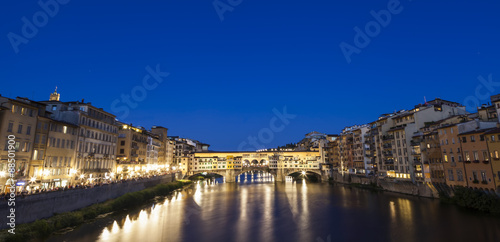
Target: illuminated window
{"type": "Point", "coordinates": [483, 176]}
{"type": "Point", "coordinates": [476, 155]}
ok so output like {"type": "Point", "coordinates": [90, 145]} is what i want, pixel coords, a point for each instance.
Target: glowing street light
{"type": "Point", "coordinates": [303, 173]}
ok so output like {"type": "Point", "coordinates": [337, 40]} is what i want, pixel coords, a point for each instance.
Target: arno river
{"type": "Point", "coordinates": [261, 210]}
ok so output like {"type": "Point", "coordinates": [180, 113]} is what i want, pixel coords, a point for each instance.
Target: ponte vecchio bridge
{"type": "Point", "coordinates": [279, 163]}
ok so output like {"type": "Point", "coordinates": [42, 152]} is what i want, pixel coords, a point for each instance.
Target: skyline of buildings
{"type": "Point", "coordinates": [62, 143]}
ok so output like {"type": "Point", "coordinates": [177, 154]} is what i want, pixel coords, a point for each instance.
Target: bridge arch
{"type": "Point", "coordinates": [198, 173]}
{"type": "Point", "coordinates": [316, 173]}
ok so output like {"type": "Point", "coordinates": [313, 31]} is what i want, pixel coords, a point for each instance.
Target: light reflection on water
{"type": "Point", "coordinates": [268, 211]}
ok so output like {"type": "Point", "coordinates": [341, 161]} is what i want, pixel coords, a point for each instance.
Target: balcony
{"type": "Point", "coordinates": [96, 170]}
{"type": "Point", "coordinates": [486, 162]}
{"type": "Point", "coordinates": [475, 161]}
{"type": "Point", "coordinates": [131, 162]}
{"type": "Point", "coordinates": [387, 137]}
{"type": "Point", "coordinates": [387, 153]}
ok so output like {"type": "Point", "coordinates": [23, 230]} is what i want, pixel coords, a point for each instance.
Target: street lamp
{"type": "Point", "coordinates": [32, 180]}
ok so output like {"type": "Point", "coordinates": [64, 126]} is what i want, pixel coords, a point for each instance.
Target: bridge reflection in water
{"type": "Point", "coordinates": [255, 177]}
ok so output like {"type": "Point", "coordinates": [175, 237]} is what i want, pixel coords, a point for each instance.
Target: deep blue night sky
{"type": "Point", "coordinates": [227, 76]}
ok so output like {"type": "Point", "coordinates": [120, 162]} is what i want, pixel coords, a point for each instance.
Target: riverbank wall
{"type": "Point", "coordinates": [391, 185]}
{"type": "Point", "coordinates": [44, 205]}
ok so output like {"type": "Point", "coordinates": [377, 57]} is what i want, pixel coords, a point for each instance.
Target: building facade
{"type": "Point", "coordinates": [97, 138]}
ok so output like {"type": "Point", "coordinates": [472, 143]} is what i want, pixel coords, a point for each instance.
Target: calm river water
{"type": "Point", "coordinates": [261, 210]}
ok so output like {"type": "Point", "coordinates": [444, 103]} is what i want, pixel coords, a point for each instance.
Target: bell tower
{"type": "Point", "coordinates": [55, 96]}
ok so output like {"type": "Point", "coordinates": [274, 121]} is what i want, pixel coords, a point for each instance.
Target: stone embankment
{"type": "Point", "coordinates": [392, 185]}
{"type": "Point", "coordinates": [44, 205]}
